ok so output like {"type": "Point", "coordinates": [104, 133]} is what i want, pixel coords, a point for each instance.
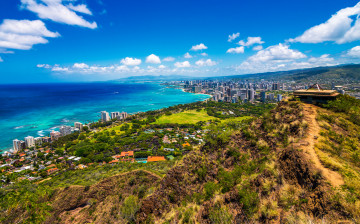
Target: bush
{"type": "Point", "coordinates": [209, 189]}
{"type": "Point", "coordinates": [220, 215]}
{"type": "Point", "coordinates": [226, 180]}
{"type": "Point", "coordinates": [130, 208]}
{"type": "Point", "coordinates": [249, 199]}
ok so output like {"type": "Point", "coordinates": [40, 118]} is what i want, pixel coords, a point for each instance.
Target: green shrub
{"type": "Point", "coordinates": [220, 215]}
{"type": "Point", "coordinates": [209, 188]}
{"type": "Point", "coordinates": [249, 199]}
{"type": "Point", "coordinates": [130, 207]}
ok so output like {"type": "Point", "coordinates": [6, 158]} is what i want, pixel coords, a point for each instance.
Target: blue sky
{"type": "Point", "coordinates": [88, 40]}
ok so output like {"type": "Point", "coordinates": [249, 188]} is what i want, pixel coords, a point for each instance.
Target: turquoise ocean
{"type": "Point", "coordinates": [37, 109]}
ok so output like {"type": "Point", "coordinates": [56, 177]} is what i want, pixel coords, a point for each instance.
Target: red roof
{"type": "Point", "coordinates": [114, 161]}
{"type": "Point", "coordinates": [129, 153]}
{"type": "Point", "coordinates": [156, 158]}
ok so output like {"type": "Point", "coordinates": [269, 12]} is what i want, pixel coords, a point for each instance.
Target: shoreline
{"type": "Point", "coordinates": [56, 126]}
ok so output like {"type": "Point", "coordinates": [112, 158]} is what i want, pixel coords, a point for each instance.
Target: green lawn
{"type": "Point", "coordinates": [238, 119]}
{"type": "Point", "coordinates": [186, 117]}
{"type": "Point", "coordinates": [117, 128]}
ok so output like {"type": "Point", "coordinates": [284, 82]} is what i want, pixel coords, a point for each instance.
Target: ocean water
{"type": "Point", "coordinates": [37, 109]}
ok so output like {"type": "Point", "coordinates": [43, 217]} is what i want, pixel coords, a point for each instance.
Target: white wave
{"type": "Point", "coordinates": [41, 133]}
{"type": "Point", "coordinates": [19, 127]}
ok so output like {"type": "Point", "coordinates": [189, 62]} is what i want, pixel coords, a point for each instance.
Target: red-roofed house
{"type": "Point", "coordinates": [155, 158]}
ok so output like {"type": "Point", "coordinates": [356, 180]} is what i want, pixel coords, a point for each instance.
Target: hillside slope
{"type": "Point", "coordinates": [295, 164]}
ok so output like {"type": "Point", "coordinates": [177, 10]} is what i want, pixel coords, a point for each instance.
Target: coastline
{"type": "Point", "coordinates": [65, 121]}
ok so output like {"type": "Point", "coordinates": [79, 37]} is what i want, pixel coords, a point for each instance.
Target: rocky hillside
{"type": "Point", "coordinates": [295, 164]}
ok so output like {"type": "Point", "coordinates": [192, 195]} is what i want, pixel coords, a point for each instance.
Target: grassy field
{"type": "Point", "coordinates": [187, 117]}
{"type": "Point", "coordinates": [236, 119]}
{"type": "Point", "coordinates": [117, 128]}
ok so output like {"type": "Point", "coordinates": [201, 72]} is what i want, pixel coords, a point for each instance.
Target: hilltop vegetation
{"type": "Point", "coordinates": [350, 73]}
{"type": "Point", "coordinates": [255, 169]}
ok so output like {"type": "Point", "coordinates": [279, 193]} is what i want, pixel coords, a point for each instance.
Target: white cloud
{"type": "Point", "coordinates": [59, 69]}
{"type": "Point", "coordinates": [80, 65]}
{"type": "Point", "coordinates": [184, 64]}
{"type": "Point", "coordinates": [43, 66]}
{"type": "Point", "coordinates": [187, 55]}
{"type": "Point", "coordinates": [207, 62]}
{"type": "Point", "coordinates": [204, 54]}
{"type": "Point", "coordinates": [55, 10]}
{"type": "Point", "coordinates": [1, 60]}
{"type": "Point", "coordinates": [258, 48]}
{"type": "Point", "coordinates": [153, 59]}
{"type": "Point", "coordinates": [354, 52]}
{"type": "Point", "coordinates": [233, 36]}
{"type": "Point", "coordinates": [325, 58]}
{"type": "Point", "coordinates": [82, 8]}
{"type": "Point", "coordinates": [131, 61]}
{"type": "Point", "coordinates": [251, 41]}
{"type": "Point", "coordinates": [27, 27]}
{"type": "Point", "coordinates": [278, 52]}
{"type": "Point", "coordinates": [340, 28]}
{"type": "Point", "coordinates": [162, 66]}
{"type": "Point", "coordinates": [281, 58]}
{"type": "Point", "coordinates": [236, 50]}
{"type": "Point", "coordinates": [23, 34]}
{"type": "Point", "coordinates": [199, 47]}
{"type": "Point", "coordinates": [169, 59]}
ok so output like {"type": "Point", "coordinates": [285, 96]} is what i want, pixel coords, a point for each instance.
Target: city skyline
{"type": "Point", "coordinates": [94, 40]}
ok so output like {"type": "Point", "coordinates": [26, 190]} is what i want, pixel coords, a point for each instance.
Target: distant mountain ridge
{"type": "Point", "coordinates": [348, 71]}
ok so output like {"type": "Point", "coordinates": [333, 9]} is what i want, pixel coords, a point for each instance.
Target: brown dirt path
{"type": "Point", "coordinates": [310, 112]}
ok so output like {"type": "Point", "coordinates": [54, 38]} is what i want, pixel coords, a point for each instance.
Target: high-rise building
{"type": "Point", "coordinates": [115, 115]}
{"type": "Point", "coordinates": [55, 135]}
{"type": "Point", "coordinates": [275, 86]}
{"type": "Point", "coordinates": [242, 96]}
{"type": "Point", "coordinates": [263, 96]}
{"type": "Point", "coordinates": [123, 115]}
{"type": "Point", "coordinates": [105, 116]}
{"type": "Point", "coordinates": [279, 97]}
{"type": "Point", "coordinates": [38, 141]}
{"type": "Point", "coordinates": [271, 97]}
{"type": "Point", "coordinates": [29, 141]}
{"type": "Point", "coordinates": [17, 145]}
{"type": "Point", "coordinates": [251, 94]}
{"type": "Point", "coordinates": [78, 125]}
{"type": "Point", "coordinates": [46, 139]}
{"type": "Point", "coordinates": [23, 144]}
{"type": "Point", "coordinates": [65, 130]}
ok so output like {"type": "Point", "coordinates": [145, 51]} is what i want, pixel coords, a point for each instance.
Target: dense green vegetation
{"type": "Point", "coordinates": [143, 131]}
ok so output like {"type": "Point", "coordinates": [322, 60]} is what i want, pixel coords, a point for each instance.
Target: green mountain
{"type": "Point", "coordinates": [345, 72]}
{"type": "Point", "coordinates": [289, 163]}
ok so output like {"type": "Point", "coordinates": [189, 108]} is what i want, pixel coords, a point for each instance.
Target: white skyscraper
{"type": "Point", "coordinates": [17, 145]}
{"type": "Point", "coordinates": [115, 115]}
{"type": "Point", "coordinates": [29, 141]}
{"type": "Point", "coordinates": [105, 116]}
{"type": "Point", "coordinates": [78, 125]}
{"type": "Point", "coordinates": [65, 130]}
{"type": "Point", "coordinates": [38, 141]}
{"type": "Point", "coordinates": [124, 115]}
{"type": "Point", "coordinates": [55, 135]}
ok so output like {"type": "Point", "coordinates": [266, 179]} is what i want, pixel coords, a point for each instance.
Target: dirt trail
{"type": "Point", "coordinates": [310, 112]}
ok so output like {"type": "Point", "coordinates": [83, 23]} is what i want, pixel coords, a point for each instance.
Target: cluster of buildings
{"type": "Point", "coordinates": [113, 115]}
{"type": "Point", "coordinates": [32, 142]}
{"type": "Point", "coordinates": [251, 91]}
{"type": "Point", "coordinates": [234, 92]}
